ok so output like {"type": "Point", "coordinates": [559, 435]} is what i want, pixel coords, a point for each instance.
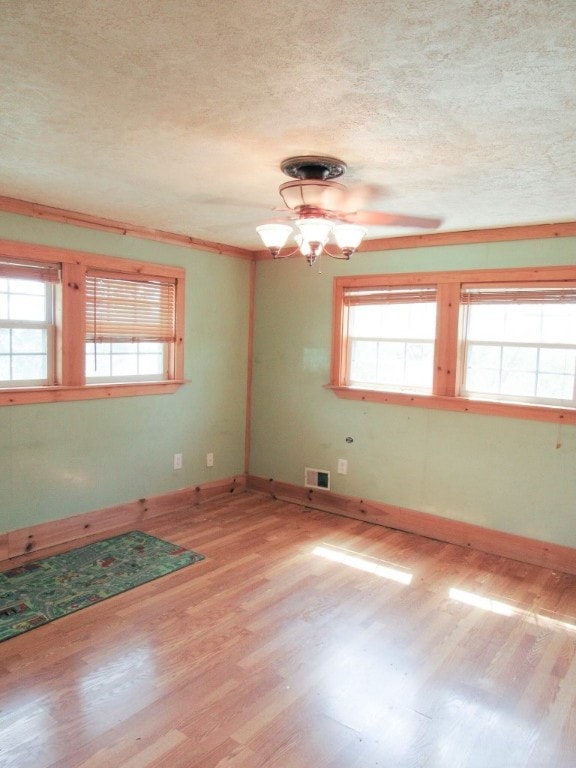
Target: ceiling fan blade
{"type": "Point", "coordinates": [380, 218]}
{"type": "Point", "coordinates": [353, 198]}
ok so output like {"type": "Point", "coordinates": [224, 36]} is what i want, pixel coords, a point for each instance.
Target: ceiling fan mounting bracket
{"type": "Point", "coordinates": [311, 167]}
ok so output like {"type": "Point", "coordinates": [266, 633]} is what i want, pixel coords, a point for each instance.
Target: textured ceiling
{"type": "Point", "coordinates": [176, 114]}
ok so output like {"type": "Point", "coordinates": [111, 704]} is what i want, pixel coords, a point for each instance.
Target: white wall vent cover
{"type": "Point", "coordinates": [317, 478]}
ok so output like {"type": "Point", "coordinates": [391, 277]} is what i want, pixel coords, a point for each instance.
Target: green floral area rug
{"type": "Point", "coordinates": [36, 593]}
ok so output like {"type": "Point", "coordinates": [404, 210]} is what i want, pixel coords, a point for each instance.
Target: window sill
{"type": "Point", "coordinates": [461, 404]}
{"type": "Point", "coordinates": [29, 395]}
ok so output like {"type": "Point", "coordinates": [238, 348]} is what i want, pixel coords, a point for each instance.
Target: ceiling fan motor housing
{"type": "Point", "coordinates": [313, 167]}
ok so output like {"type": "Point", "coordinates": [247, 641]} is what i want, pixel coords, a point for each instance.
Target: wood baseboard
{"type": "Point", "coordinates": [526, 550]}
{"type": "Point", "coordinates": [56, 532]}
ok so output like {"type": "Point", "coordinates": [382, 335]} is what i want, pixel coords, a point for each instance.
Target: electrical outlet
{"type": "Point", "coordinates": [209, 459]}
{"type": "Point", "coordinates": [342, 466]}
{"type": "Point", "coordinates": [177, 461]}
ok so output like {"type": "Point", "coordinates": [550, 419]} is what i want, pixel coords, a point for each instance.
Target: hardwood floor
{"type": "Point", "coordinates": [303, 640]}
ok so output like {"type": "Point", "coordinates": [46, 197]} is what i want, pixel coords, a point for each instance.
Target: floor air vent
{"type": "Point", "coordinates": [317, 478]}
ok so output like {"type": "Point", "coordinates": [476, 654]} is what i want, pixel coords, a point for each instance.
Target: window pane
{"type": "Point", "coordinates": [25, 312]}
{"type": "Point", "coordinates": [364, 361]}
{"type": "Point", "coordinates": [30, 287]}
{"type": "Point", "coordinates": [556, 387]}
{"type": "Point", "coordinates": [124, 361]}
{"type": "Point", "coordinates": [29, 368]}
{"type": "Point", "coordinates": [124, 348]}
{"type": "Point", "coordinates": [486, 323]}
{"type": "Point", "coordinates": [419, 365]}
{"type": "Point", "coordinates": [391, 358]}
{"type": "Point", "coordinates": [365, 320]}
{"type": "Point", "coordinates": [124, 365]}
{"type": "Point", "coordinates": [518, 383]}
{"type": "Point", "coordinates": [519, 358]}
{"type": "Point", "coordinates": [558, 324]}
{"type": "Point", "coordinates": [28, 340]}
{"type": "Point", "coordinates": [97, 360]}
{"type": "Point", "coordinates": [483, 381]}
{"type": "Point", "coordinates": [558, 361]}
{"type": "Point", "coordinates": [484, 357]}
{"type": "Point", "coordinates": [150, 364]}
{"type": "Point", "coordinates": [23, 307]}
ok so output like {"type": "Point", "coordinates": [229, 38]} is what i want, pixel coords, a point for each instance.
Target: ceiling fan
{"type": "Point", "coordinates": [324, 207]}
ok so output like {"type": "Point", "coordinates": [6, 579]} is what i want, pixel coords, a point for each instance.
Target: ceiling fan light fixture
{"type": "Point", "coordinates": [274, 237]}
{"type": "Point", "coordinates": [319, 202]}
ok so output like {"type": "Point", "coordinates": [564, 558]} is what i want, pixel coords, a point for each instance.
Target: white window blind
{"type": "Point", "coordinates": [394, 294]}
{"type": "Point", "coordinates": [28, 270]}
{"type": "Point", "coordinates": [528, 293]}
{"type": "Point", "coordinates": [129, 309]}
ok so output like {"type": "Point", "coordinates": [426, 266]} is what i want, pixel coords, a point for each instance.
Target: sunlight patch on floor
{"type": "Point", "coordinates": [363, 563]}
{"type": "Point", "coordinates": [506, 609]}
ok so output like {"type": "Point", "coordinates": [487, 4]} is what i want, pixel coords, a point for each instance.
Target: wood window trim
{"type": "Point", "coordinates": [71, 333]}
{"type": "Point", "coordinates": [447, 356]}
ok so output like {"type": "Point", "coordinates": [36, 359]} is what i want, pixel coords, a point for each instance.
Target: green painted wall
{"type": "Point", "coordinates": [62, 459]}
{"type": "Point", "coordinates": [58, 460]}
{"type": "Point", "coordinates": [501, 473]}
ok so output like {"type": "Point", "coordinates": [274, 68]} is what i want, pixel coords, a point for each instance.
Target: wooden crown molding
{"type": "Point", "coordinates": [39, 211]}
{"type": "Point", "coordinates": [502, 234]}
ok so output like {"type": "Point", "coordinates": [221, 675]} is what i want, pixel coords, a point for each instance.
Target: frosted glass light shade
{"type": "Point", "coordinates": [274, 236]}
{"type": "Point", "coordinates": [314, 230]}
{"type": "Point", "coordinates": [348, 236]}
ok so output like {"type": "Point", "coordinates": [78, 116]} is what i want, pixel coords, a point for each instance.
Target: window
{"type": "Point", "coordinates": [77, 326]}
{"type": "Point", "coordinates": [130, 325]}
{"type": "Point", "coordinates": [520, 343]}
{"type": "Point", "coordinates": [498, 341]}
{"type": "Point", "coordinates": [27, 323]}
{"type": "Point", "coordinates": [391, 335]}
